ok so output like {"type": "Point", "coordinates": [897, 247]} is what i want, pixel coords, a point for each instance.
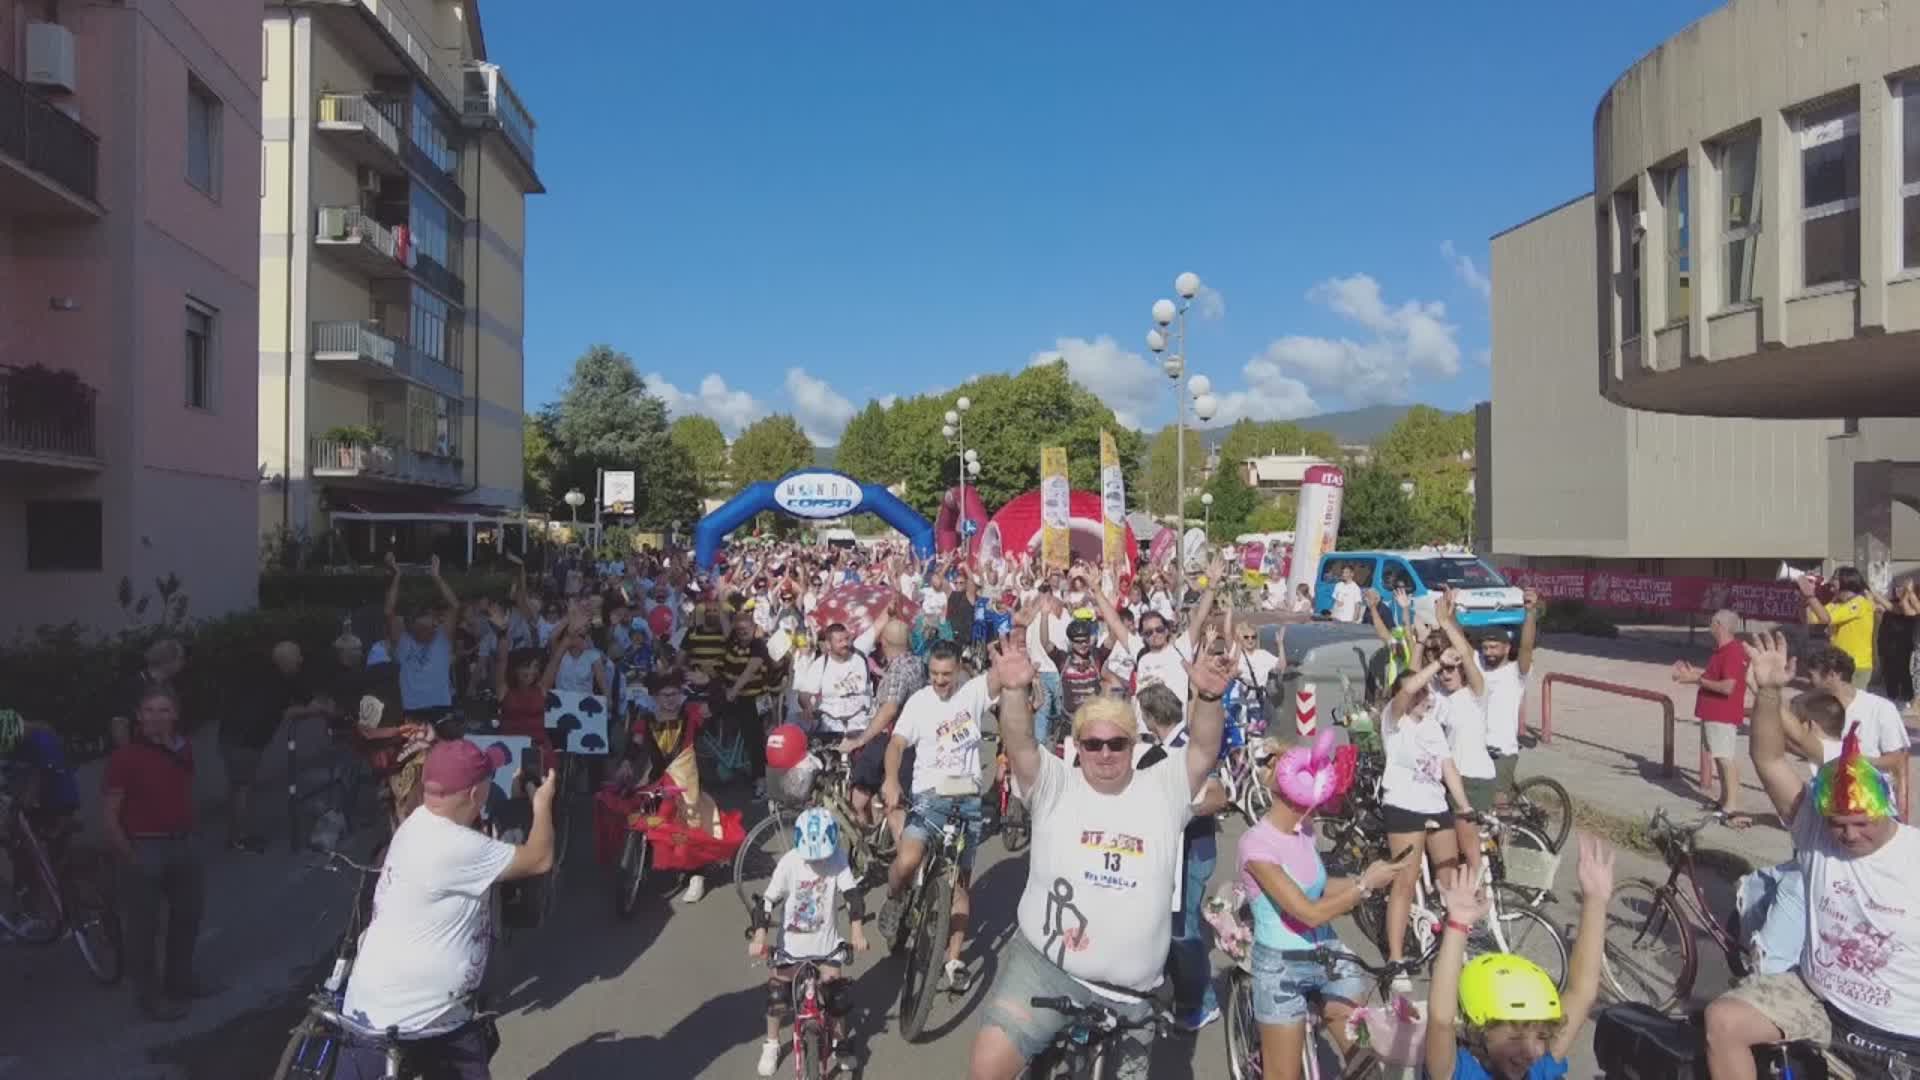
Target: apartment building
{"type": "Point", "coordinates": [396, 167]}
{"type": "Point", "coordinates": [129, 150]}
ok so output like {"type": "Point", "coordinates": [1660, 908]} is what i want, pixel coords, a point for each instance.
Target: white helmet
{"type": "Point", "coordinates": [816, 834]}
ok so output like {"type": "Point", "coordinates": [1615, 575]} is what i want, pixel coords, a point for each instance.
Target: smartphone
{"type": "Point", "coordinates": [530, 766]}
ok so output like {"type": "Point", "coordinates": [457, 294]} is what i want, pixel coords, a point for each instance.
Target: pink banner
{"type": "Point", "coordinates": [1774, 600]}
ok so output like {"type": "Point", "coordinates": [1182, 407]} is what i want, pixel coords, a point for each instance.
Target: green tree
{"type": "Point", "coordinates": [606, 419]}
{"type": "Point", "coordinates": [1441, 505]}
{"type": "Point", "coordinates": [706, 445]}
{"type": "Point", "coordinates": [539, 462]}
{"type": "Point", "coordinates": [1233, 503]}
{"type": "Point", "coordinates": [1254, 438]}
{"type": "Point", "coordinates": [866, 450]}
{"type": "Point", "coordinates": [768, 449]}
{"type": "Point", "coordinates": [1158, 488]}
{"type": "Point", "coordinates": [1425, 436]}
{"type": "Point", "coordinates": [1374, 513]}
{"type": "Point", "coordinates": [1278, 515]}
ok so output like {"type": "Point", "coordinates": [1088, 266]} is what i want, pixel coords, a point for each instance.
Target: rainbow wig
{"type": "Point", "coordinates": [1849, 784]}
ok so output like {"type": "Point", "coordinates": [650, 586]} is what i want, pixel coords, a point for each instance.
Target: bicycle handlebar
{"type": "Point", "coordinates": [333, 860]}
{"type": "Point", "coordinates": [1331, 958]}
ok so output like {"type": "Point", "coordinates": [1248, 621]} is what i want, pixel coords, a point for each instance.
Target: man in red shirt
{"type": "Point", "coordinates": [148, 819]}
{"type": "Point", "coordinates": [1721, 708]}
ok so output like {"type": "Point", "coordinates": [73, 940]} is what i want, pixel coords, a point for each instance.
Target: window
{"type": "Point", "coordinates": [1739, 216]}
{"type": "Point", "coordinates": [63, 534]}
{"type": "Point", "coordinates": [1673, 201]}
{"type": "Point", "coordinates": [433, 423]}
{"type": "Point", "coordinates": [203, 137]}
{"type": "Point", "coordinates": [1626, 282]}
{"type": "Point", "coordinates": [435, 329]}
{"type": "Point", "coordinates": [428, 130]}
{"type": "Point", "coordinates": [1362, 570]}
{"type": "Point", "coordinates": [1910, 173]}
{"type": "Point", "coordinates": [436, 230]}
{"type": "Point", "coordinates": [1830, 195]}
{"type": "Point", "coordinates": [199, 357]}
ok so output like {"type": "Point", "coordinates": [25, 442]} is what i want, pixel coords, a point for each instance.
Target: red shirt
{"type": "Point", "coordinates": [158, 785]}
{"type": "Point", "coordinates": [1729, 661]}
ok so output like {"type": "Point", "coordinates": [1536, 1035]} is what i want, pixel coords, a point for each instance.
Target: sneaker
{"type": "Point", "coordinates": [956, 978]}
{"type": "Point", "coordinates": [889, 920]}
{"type": "Point", "coordinates": [769, 1058]}
{"type": "Point", "coordinates": [696, 888]}
{"type": "Point", "coordinates": [844, 1059]}
{"type": "Point", "coordinates": [1199, 1018]}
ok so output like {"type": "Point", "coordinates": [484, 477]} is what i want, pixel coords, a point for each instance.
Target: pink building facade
{"type": "Point", "coordinates": [130, 164]}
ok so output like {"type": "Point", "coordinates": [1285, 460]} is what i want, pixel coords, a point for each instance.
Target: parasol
{"type": "Point", "coordinates": [858, 605]}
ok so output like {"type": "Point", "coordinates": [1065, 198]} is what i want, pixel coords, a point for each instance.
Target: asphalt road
{"type": "Point", "coordinates": [669, 993]}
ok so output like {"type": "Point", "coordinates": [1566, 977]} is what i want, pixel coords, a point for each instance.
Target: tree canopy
{"type": "Point", "coordinates": [1233, 503]}
{"type": "Point", "coordinates": [768, 449]}
{"type": "Point", "coordinates": [1374, 513]}
{"type": "Point", "coordinates": [706, 446]}
{"type": "Point", "coordinates": [1432, 450]}
{"type": "Point", "coordinates": [1158, 489]}
{"type": "Point", "coordinates": [1425, 436]}
{"type": "Point", "coordinates": [606, 419]}
{"type": "Point", "coordinates": [1254, 438]}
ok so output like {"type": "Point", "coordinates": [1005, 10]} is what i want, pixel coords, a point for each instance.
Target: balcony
{"type": "Point", "coordinates": [363, 350]}
{"type": "Point", "coordinates": [366, 128]}
{"type": "Point", "coordinates": [440, 279]}
{"type": "Point", "coordinates": [360, 241]}
{"type": "Point", "coordinates": [49, 162]}
{"type": "Point", "coordinates": [48, 417]}
{"type": "Point", "coordinates": [490, 102]}
{"type": "Point", "coordinates": [328, 459]}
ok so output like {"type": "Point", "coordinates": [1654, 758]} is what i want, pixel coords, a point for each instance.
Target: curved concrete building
{"type": "Point", "coordinates": [1757, 201]}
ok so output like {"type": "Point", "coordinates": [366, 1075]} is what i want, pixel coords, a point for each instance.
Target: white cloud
{"type": "Point", "coordinates": [887, 400]}
{"type": "Point", "coordinates": [1210, 305]}
{"type": "Point", "coordinates": [1270, 395]}
{"type": "Point", "coordinates": [731, 409]}
{"type": "Point", "coordinates": [1413, 337]}
{"type": "Point", "coordinates": [1466, 271]}
{"type": "Point", "coordinates": [1131, 387]}
{"type": "Point", "coordinates": [821, 410]}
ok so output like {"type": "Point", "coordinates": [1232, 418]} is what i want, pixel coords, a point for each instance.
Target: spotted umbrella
{"type": "Point", "coordinates": [858, 606]}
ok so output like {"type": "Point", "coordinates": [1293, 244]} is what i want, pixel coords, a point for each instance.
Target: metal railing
{"type": "Point", "coordinates": [354, 339]}
{"type": "Point", "coordinates": [350, 224]}
{"type": "Point", "coordinates": [1668, 718]}
{"type": "Point", "coordinates": [49, 141]}
{"type": "Point", "coordinates": [362, 111]}
{"type": "Point", "coordinates": [73, 435]}
{"type": "Point", "coordinates": [418, 47]}
{"type": "Point", "coordinates": [329, 457]}
{"type": "Point", "coordinates": [490, 97]}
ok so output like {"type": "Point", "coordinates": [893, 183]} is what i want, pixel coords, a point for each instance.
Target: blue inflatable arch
{"type": "Point", "coordinates": [814, 495]}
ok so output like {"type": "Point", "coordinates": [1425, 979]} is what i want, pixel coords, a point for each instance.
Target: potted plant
{"type": "Point", "coordinates": [38, 394]}
{"type": "Point", "coordinates": [348, 440]}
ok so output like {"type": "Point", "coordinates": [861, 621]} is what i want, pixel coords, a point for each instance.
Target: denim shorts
{"type": "Point", "coordinates": [931, 813]}
{"type": "Point", "coordinates": [1281, 986]}
{"type": "Point", "coordinates": [1025, 975]}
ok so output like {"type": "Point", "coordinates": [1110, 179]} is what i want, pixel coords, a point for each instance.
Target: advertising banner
{"type": "Point", "coordinates": [616, 492]}
{"type": "Point", "coordinates": [1113, 507]}
{"type": "Point", "coordinates": [1770, 600]}
{"type": "Point", "coordinates": [1056, 509]}
{"type": "Point", "coordinates": [1316, 528]}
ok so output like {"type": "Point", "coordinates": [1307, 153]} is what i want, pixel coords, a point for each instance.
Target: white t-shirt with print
{"type": "Point", "coordinates": [426, 947]}
{"type": "Point", "coordinates": [945, 735]}
{"type": "Point", "coordinates": [1037, 647]}
{"type": "Point", "coordinates": [1346, 602]}
{"type": "Point", "coordinates": [1122, 658]}
{"type": "Point", "coordinates": [1506, 690]}
{"type": "Point", "coordinates": [1166, 666]}
{"type": "Point", "coordinates": [1100, 871]}
{"type": "Point", "coordinates": [1862, 954]}
{"type": "Point", "coordinates": [1881, 729]}
{"type": "Point", "coordinates": [808, 898]}
{"type": "Point", "coordinates": [1416, 751]}
{"type": "Point", "coordinates": [1464, 716]}
{"type": "Point", "coordinates": [844, 690]}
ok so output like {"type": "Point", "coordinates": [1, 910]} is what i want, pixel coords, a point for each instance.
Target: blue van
{"type": "Point", "coordinates": [1485, 597]}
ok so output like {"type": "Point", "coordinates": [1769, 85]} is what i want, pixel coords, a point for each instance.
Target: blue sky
{"type": "Point", "coordinates": [790, 207]}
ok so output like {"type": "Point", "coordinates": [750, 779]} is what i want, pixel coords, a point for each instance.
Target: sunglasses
{"type": "Point", "coordinates": [1115, 745]}
{"type": "Point", "coordinates": [1155, 629]}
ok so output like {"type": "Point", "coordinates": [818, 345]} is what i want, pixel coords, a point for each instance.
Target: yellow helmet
{"type": "Point", "coordinates": [1501, 988]}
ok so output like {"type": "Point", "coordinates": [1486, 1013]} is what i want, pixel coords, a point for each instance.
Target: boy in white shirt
{"type": "Point", "coordinates": [808, 883]}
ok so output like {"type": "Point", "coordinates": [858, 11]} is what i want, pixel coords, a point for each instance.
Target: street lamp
{"type": "Point", "coordinates": [575, 500]}
{"type": "Point", "coordinates": [1167, 313]}
{"type": "Point", "coordinates": [1206, 508]}
{"type": "Point", "coordinates": [955, 430]}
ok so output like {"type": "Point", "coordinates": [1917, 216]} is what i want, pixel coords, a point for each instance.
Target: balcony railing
{"type": "Point", "coordinates": [358, 112]}
{"type": "Point", "coordinates": [414, 44]}
{"type": "Point", "coordinates": [395, 464]}
{"type": "Point", "coordinates": [376, 355]}
{"type": "Point", "coordinates": [40, 419]}
{"type": "Point", "coordinates": [358, 341]}
{"type": "Point", "coordinates": [489, 97]}
{"type": "Point", "coordinates": [49, 141]}
{"type": "Point", "coordinates": [374, 246]}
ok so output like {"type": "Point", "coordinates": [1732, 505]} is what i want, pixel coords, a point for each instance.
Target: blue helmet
{"type": "Point", "coordinates": [816, 834]}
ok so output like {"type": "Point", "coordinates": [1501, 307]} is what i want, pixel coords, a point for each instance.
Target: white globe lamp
{"type": "Point", "coordinates": [1200, 386]}
{"type": "Point", "coordinates": [1187, 285]}
{"type": "Point", "coordinates": [1163, 312]}
{"type": "Point", "coordinates": [952, 417]}
{"type": "Point", "coordinates": [1205, 406]}
{"type": "Point", "coordinates": [1156, 341]}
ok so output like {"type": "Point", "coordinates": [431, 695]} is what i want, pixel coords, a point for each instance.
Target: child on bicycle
{"type": "Point", "coordinates": [808, 884]}
{"type": "Point", "coordinates": [1517, 1025]}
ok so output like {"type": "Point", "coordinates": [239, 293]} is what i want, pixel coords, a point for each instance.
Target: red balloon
{"type": "Point", "coordinates": [786, 746]}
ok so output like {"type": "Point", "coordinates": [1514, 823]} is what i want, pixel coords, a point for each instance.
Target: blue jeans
{"type": "Point", "coordinates": [1191, 952]}
{"type": "Point", "coordinates": [1050, 699]}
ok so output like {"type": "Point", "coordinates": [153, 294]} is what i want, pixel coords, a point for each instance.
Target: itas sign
{"type": "Point", "coordinates": [817, 495]}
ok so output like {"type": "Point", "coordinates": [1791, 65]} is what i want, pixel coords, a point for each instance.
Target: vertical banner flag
{"type": "Point", "coordinates": [1113, 508]}
{"type": "Point", "coordinates": [1056, 525]}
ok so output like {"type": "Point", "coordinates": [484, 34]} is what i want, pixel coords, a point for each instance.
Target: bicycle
{"type": "Point", "coordinates": [1542, 804]}
{"type": "Point", "coordinates": [313, 1048]}
{"type": "Point", "coordinates": [1656, 923]}
{"type": "Point", "coordinates": [924, 929]}
{"type": "Point", "coordinates": [73, 888]}
{"type": "Point", "coordinates": [1319, 1056]}
{"type": "Point", "coordinates": [870, 848]}
{"type": "Point", "coordinates": [1009, 813]}
{"type": "Point", "coordinates": [636, 853]}
{"type": "Point", "coordinates": [815, 1044]}
{"type": "Point", "coordinates": [1079, 1051]}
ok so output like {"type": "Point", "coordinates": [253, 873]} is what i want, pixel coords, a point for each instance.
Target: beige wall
{"type": "Point", "coordinates": [1575, 475]}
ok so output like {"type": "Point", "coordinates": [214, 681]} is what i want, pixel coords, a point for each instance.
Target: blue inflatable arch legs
{"type": "Point", "coordinates": [755, 498]}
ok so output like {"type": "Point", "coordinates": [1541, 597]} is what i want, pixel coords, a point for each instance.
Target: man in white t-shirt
{"type": "Point", "coordinates": [425, 948]}
{"type": "Point", "coordinates": [1094, 922]}
{"type": "Point", "coordinates": [1505, 667]}
{"type": "Point", "coordinates": [836, 690]}
{"type": "Point", "coordinates": [941, 723]}
{"type": "Point", "coordinates": [1883, 734]}
{"type": "Point", "coordinates": [1856, 991]}
{"type": "Point", "coordinates": [1346, 597]}
{"type": "Point", "coordinates": [1157, 652]}
{"type": "Point", "coordinates": [1460, 699]}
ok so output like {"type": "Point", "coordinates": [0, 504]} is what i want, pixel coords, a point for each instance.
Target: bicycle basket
{"type": "Point", "coordinates": [792, 787]}
{"type": "Point", "coordinates": [1530, 868]}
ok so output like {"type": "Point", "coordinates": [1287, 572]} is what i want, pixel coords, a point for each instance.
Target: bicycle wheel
{"type": "Point", "coordinates": [1541, 803]}
{"type": "Point", "coordinates": [760, 852]}
{"type": "Point", "coordinates": [926, 958]}
{"type": "Point", "coordinates": [1522, 931]}
{"type": "Point", "coordinates": [21, 924]}
{"type": "Point", "coordinates": [1422, 938]}
{"type": "Point", "coordinates": [307, 1042]}
{"type": "Point", "coordinates": [1526, 841]}
{"type": "Point", "coordinates": [94, 919]}
{"type": "Point", "coordinates": [1243, 1031]}
{"type": "Point", "coordinates": [630, 873]}
{"type": "Point", "coordinates": [813, 1053]}
{"type": "Point", "coordinates": [1650, 953]}
{"type": "Point", "coordinates": [1016, 829]}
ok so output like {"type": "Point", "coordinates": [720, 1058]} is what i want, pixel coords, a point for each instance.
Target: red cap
{"type": "Point", "coordinates": [455, 765]}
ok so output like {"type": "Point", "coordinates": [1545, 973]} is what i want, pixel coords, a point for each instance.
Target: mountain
{"type": "Point", "coordinates": [1355, 426]}
{"type": "Point", "coordinates": [823, 456]}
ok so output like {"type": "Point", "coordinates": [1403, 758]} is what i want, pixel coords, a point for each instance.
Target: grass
{"type": "Point", "coordinates": [1633, 834]}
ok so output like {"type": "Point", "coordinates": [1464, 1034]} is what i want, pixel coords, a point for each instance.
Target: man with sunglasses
{"type": "Point", "coordinates": [1094, 919]}
{"type": "Point", "coordinates": [1158, 652]}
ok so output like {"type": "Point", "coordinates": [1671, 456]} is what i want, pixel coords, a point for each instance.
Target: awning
{"type": "Point", "coordinates": [397, 504]}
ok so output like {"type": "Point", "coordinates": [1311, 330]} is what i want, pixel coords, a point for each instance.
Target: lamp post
{"type": "Point", "coordinates": [955, 429]}
{"type": "Point", "coordinates": [1167, 313]}
{"type": "Point", "coordinates": [574, 501]}
{"type": "Point", "coordinates": [1206, 508]}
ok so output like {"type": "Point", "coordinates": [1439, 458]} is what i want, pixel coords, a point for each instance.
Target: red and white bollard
{"type": "Point", "coordinates": [1306, 711]}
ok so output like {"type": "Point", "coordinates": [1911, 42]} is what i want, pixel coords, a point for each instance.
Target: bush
{"type": "Point", "coordinates": [1575, 617]}
{"type": "Point", "coordinates": [358, 590]}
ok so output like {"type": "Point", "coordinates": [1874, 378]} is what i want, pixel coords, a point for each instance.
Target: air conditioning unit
{"type": "Point", "coordinates": [50, 56]}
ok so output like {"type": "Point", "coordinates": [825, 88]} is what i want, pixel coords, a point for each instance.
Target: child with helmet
{"type": "Point", "coordinates": [806, 889]}
{"type": "Point", "coordinates": [1512, 1022]}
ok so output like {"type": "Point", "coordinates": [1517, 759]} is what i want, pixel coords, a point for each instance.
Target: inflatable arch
{"type": "Point", "coordinates": [813, 494]}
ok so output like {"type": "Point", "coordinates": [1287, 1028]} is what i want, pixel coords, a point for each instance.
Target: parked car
{"type": "Point", "coordinates": [1485, 598]}
{"type": "Point", "coordinates": [1344, 663]}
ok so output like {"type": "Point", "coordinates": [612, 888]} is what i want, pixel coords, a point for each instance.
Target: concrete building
{"type": "Point", "coordinates": [1275, 474]}
{"type": "Point", "coordinates": [392, 241]}
{"type": "Point", "coordinates": [1752, 260]}
{"type": "Point", "coordinates": [129, 151]}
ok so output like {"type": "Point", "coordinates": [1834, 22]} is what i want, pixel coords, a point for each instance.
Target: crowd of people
{"type": "Point", "coordinates": [1110, 700]}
